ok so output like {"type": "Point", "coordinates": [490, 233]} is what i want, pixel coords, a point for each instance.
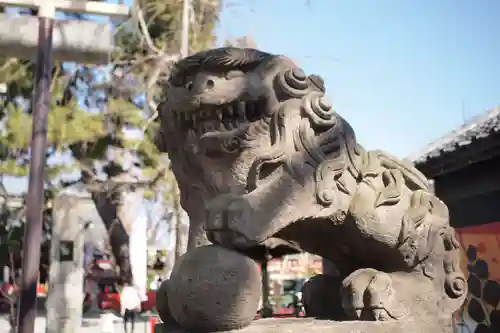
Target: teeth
{"type": "Point", "coordinates": [241, 111]}
{"type": "Point", "coordinates": [225, 118]}
{"type": "Point", "coordinates": [210, 126]}
{"type": "Point", "coordinates": [191, 134]}
{"type": "Point", "coordinates": [250, 110]}
{"type": "Point", "coordinates": [199, 129]}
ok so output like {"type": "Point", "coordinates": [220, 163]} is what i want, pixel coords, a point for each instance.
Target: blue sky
{"type": "Point", "coordinates": [402, 72]}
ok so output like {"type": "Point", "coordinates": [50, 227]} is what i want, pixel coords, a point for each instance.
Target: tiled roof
{"type": "Point", "coordinates": [479, 127]}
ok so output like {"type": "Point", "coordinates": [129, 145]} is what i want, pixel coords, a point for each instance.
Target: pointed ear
{"type": "Point", "coordinates": [318, 82]}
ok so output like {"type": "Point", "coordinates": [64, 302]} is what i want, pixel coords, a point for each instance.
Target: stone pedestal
{"type": "Point", "coordinates": [310, 325]}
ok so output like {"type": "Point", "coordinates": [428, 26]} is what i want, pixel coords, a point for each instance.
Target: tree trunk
{"type": "Point", "coordinates": [108, 206]}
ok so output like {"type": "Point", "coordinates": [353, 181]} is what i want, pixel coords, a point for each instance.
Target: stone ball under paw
{"type": "Point", "coordinates": [162, 302]}
{"type": "Point", "coordinates": [214, 289]}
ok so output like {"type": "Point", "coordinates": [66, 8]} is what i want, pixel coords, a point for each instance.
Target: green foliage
{"type": "Point", "coordinates": [67, 125]}
{"type": "Point", "coordinates": [12, 218]}
{"type": "Point", "coordinates": [17, 128]}
{"type": "Point", "coordinates": [70, 124]}
{"type": "Point", "coordinates": [93, 133]}
{"type": "Point", "coordinates": [89, 117]}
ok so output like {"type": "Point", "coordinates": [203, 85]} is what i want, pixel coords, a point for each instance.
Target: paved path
{"type": "Point", "coordinates": [90, 325]}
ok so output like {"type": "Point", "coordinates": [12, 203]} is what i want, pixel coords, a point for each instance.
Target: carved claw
{"type": "Point", "coordinates": [368, 294]}
{"type": "Point", "coordinates": [225, 222]}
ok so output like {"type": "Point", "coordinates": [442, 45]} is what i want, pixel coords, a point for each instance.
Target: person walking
{"type": "Point", "coordinates": [130, 303]}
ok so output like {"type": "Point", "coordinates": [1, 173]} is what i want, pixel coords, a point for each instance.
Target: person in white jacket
{"type": "Point", "coordinates": [130, 303]}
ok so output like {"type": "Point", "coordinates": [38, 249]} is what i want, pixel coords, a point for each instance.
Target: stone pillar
{"type": "Point", "coordinates": [65, 295]}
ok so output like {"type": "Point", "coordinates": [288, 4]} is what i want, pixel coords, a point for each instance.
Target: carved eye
{"type": "Point", "coordinates": [189, 85]}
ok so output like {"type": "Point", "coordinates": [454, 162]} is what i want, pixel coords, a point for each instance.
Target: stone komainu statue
{"type": "Point", "coordinates": [264, 161]}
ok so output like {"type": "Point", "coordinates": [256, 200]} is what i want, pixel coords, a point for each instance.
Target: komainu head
{"type": "Point", "coordinates": [248, 134]}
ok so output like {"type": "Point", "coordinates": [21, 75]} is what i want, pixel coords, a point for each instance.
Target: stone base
{"type": "Point", "coordinates": [306, 325]}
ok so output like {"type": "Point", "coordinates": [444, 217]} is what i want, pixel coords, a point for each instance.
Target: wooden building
{"type": "Point", "coordinates": [465, 168]}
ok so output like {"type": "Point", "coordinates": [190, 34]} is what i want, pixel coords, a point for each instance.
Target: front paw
{"type": "Point", "coordinates": [368, 294]}
{"type": "Point", "coordinates": [227, 222]}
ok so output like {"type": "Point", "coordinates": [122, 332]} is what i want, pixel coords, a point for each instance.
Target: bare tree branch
{"type": "Point", "coordinates": [161, 64]}
{"type": "Point", "coordinates": [137, 13]}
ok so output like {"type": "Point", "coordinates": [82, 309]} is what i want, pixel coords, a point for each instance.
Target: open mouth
{"type": "Point", "coordinates": [222, 119]}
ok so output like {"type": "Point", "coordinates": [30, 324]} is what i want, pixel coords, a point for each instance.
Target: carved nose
{"type": "Point", "coordinates": [210, 84]}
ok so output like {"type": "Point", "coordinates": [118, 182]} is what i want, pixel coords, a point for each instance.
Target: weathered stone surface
{"type": "Point", "coordinates": [162, 302]}
{"type": "Point", "coordinates": [324, 326]}
{"type": "Point", "coordinates": [264, 161]}
{"type": "Point", "coordinates": [213, 289]}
